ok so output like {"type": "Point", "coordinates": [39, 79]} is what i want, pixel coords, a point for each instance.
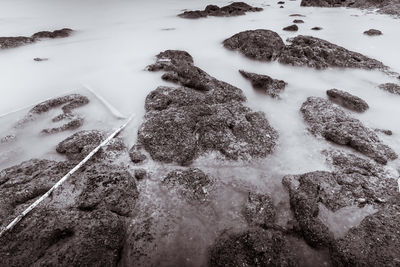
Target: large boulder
{"type": "Point", "coordinates": [264, 83]}
{"type": "Point", "coordinates": [334, 124]}
{"type": "Point", "coordinates": [234, 9]}
{"type": "Point", "coordinates": [203, 116]}
{"type": "Point", "coordinates": [259, 44]}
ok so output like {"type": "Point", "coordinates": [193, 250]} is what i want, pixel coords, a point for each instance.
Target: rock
{"type": "Point", "coordinates": [316, 28]}
{"type": "Point", "coordinates": [136, 154]}
{"type": "Point", "coordinates": [373, 32]}
{"type": "Point", "coordinates": [391, 88]}
{"type": "Point", "coordinates": [298, 21]}
{"type": "Point", "coordinates": [140, 174]}
{"type": "Point", "coordinates": [320, 54]}
{"type": "Point", "coordinates": [281, 7]}
{"type": "Point", "coordinates": [334, 124]}
{"type": "Point", "coordinates": [65, 32]}
{"type": "Point", "coordinates": [262, 45]}
{"type": "Point", "coordinates": [347, 100]}
{"type": "Point", "coordinates": [73, 124]}
{"type": "Point", "coordinates": [259, 210]}
{"type": "Point", "coordinates": [281, 3]}
{"type": "Point", "coordinates": [79, 145]}
{"type": "Point", "coordinates": [234, 9]}
{"type": "Point", "coordinates": [193, 184]}
{"type": "Point", "coordinates": [375, 242]}
{"type": "Point", "coordinates": [296, 15]}
{"type": "Point", "coordinates": [40, 59]}
{"type": "Point", "coordinates": [12, 42]}
{"type": "Point", "coordinates": [384, 131]}
{"type": "Point", "coordinates": [204, 116]}
{"type": "Point", "coordinates": [291, 28]}
{"type": "Point", "coordinates": [265, 83]}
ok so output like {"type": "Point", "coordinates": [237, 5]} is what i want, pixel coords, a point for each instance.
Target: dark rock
{"type": "Point", "coordinates": [320, 54]}
{"type": "Point", "coordinates": [140, 174]}
{"type": "Point", "coordinates": [316, 28]}
{"type": "Point", "coordinates": [40, 59]}
{"type": "Point", "coordinates": [281, 3]}
{"type": "Point", "coordinates": [296, 15]}
{"type": "Point", "coordinates": [265, 83]}
{"type": "Point", "coordinates": [263, 45]}
{"type": "Point", "coordinates": [12, 42]}
{"type": "Point", "coordinates": [391, 88]}
{"type": "Point", "coordinates": [335, 125]}
{"type": "Point", "coordinates": [259, 210]}
{"type": "Point", "coordinates": [136, 154]}
{"type": "Point", "coordinates": [298, 21]}
{"type": "Point", "coordinates": [373, 32]}
{"type": "Point", "coordinates": [206, 115]}
{"type": "Point", "coordinates": [234, 9]}
{"type": "Point", "coordinates": [347, 100]}
{"type": "Point", "coordinates": [80, 144]}
{"type": "Point", "coordinates": [193, 184]}
{"type": "Point", "coordinates": [281, 7]}
{"type": "Point", "coordinates": [54, 34]}
{"type": "Point", "coordinates": [291, 28]}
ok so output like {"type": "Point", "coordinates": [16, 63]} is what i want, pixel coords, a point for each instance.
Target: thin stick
{"type": "Point", "coordinates": [62, 180]}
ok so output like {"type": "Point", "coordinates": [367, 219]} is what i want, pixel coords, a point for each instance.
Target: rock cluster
{"type": "Point", "coordinates": [203, 115]}
{"type": "Point", "coordinates": [266, 45]}
{"type": "Point", "coordinates": [265, 83]}
{"type": "Point", "coordinates": [334, 124]}
{"type": "Point", "coordinates": [347, 100]}
{"type": "Point", "coordinates": [234, 9]}
{"type": "Point", "coordinates": [11, 42]}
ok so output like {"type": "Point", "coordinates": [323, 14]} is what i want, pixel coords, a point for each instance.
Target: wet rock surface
{"type": "Point", "coordinates": [260, 44]}
{"type": "Point", "coordinates": [203, 116]}
{"type": "Point", "coordinates": [373, 32]}
{"type": "Point", "coordinates": [298, 21]}
{"type": "Point", "coordinates": [136, 154]}
{"type": "Point", "coordinates": [391, 88]}
{"type": "Point", "coordinates": [307, 51]}
{"type": "Point", "coordinates": [234, 9]}
{"type": "Point", "coordinates": [334, 124]}
{"type": "Point", "coordinates": [291, 28]}
{"type": "Point", "coordinates": [265, 83]}
{"type": "Point", "coordinates": [12, 42]}
{"type": "Point", "coordinates": [347, 100]}
{"type": "Point", "coordinates": [259, 210]}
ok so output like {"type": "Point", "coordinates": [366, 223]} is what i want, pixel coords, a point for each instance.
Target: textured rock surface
{"type": "Point", "coordinates": [204, 116]}
{"type": "Point", "coordinates": [347, 100]}
{"type": "Point", "coordinates": [291, 28]}
{"type": "Point", "coordinates": [259, 210]}
{"type": "Point", "coordinates": [12, 42]}
{"type": "Point", "coordinates": [136, 155]}
{"type": "Point", "coordinates": [391, 88]}
{"type": "Point", "coordinates": [234, 9]}
{"type": "Point", "coordinates": [373, 32]}
{"type": "Point", "coordinates": [334, 124]}
{"type": "Point", "coordinates": [263, 45]}
{"type": "Point", "coordinates": [265, 83]}
{"type": "Point", "coordinates": [192, 184]}
{"type": "Point", "coordinates": [298, 21]}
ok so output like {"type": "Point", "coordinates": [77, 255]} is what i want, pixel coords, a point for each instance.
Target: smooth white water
{"type": "Point", "coordinates": [115, 40]}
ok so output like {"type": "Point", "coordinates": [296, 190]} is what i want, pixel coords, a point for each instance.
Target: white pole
{"type": "Point", "coordinates": [63, 179]}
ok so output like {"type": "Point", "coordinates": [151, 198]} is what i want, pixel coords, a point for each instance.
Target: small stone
{"type": "Point", "coordinates": [316, 28]}
{"type": "Point", "coordinates": [40, 59]}
{"type": "Point", "coordinates": [296, 15]}
{"type": "Point", "coordinates": [136, 154]}
{"type": "Point", "coordinates": [281, 3]}
{"type": "Point", "coordinates": [140, 174]}
{"type": "Point", "coordinates": [291, 28]}
{"type": "Point", "coordinates": [298, 21]}
{"type": "Point", "coordinates": [373, 32]}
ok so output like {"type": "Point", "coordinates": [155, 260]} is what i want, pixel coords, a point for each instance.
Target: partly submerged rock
{"type": "Point", "coordinates": [259, 210]}
{"type": "Point", "coordinates": [347, 100]}
{"type": "Point", "coordinates": [291, 28]}
{"type": "Point", "coordinates": [373, 32]}
{"type": "Point", "coordinates": [65, 32]}
{"type": "Point", "coordinates": [234, 9]}
{"type": "Point", "coordinates": [204, 116]}
{"type": "Point", "coordinates": [260, 44]}
{"type": "Point", "coordinates": [316, 28]}
{"type": "Point", "coordinates": [298, 21]}
{"type": "Point", "coordinates": [296, 15]}
{"type": "Point", "coordinates": [193, 184]}
{"type": "Point", "coordinates": [265, 83]}
{"type": "Point", "coordinates": [390, 87]}
{"type": "Point", "coordinates": [136, 155]}
{"type": "Point", "coordinates": [334, 124]}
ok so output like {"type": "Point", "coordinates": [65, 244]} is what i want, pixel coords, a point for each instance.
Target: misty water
{"type": "Point", "coordinates": [113, 43]}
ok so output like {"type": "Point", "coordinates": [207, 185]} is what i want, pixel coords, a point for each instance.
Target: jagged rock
{"type": "Point", "coordinates": [136, 154]}
{"type": "Point", "coordinates": [79, 145]}
{"type": "Point", "coordinates": [298, 21]}
{"type": "Point", "coordinates": [263, 45]}
{"type": "Point", "coordinates": [259, 210]}
{"type": "Point", "coordinates": [206, 115]}
{"type": "Point", "coordinates": [373, 32]}
{"type": "Point", "coordinates": [12, 42]}
{"type": "Point", "coordinates": [291, 28]}
{"type": "Point", "coordinates": [140, 174]}
{"type": "Point", "coordinates": [316, 28]}
{"type": "Point", "coordinates": [347, 100]}
{"type": "Point", "coordinates": [375, 242]}
{"type": "Point", "coordinates": [234, 9]}
{"type": "Point", "coordinates": [265, 83]}
{"type": "Point", "coordinates": [320, 54]}
{"type": "Point", "coordinates": [334, 124]}
{"type": "Point", "coordinates": [391, 88]}
{"type": "Point", "coordinates": [193, 184]}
